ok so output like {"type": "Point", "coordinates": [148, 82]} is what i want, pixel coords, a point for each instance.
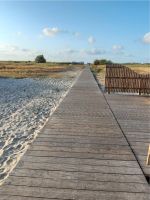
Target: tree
{"type": "Point", "coordinates": [96, 62]}
{"type": "Point", "coordinates": [102, 62]}
{"type": "Point", "coordinates": [40, 59]}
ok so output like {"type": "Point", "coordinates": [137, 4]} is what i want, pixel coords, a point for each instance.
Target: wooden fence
{"type": "Point", "coordinates": [120, 78]}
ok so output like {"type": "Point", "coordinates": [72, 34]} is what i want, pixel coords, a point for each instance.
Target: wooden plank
{"type": "Point", "coordinates": [76, 185]}
{"type": "Point", "coordinates": [106, 156]}
{"type": "Point", "coordinates": [100, 177]}
{"type": "Point", "coordinates": [81, 168]}
{"type": "Point", "coordinates": [54, 193]}
{"type": "Point", "coordinates": [75, 160]}
{"type": "Point", "coordinates": [113, 149]}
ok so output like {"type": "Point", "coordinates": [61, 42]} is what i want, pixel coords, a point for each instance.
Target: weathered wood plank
{"type": "Point", "coordinates": [81, 168]}
{"type": "Point", "coordinates": [40, 192]}
{"type": "Point", "coordinates": [76, 184]}
{"type": "Point", "coordinates": [122, 157]}
{"type": "Point", "coordinates": [89, 150]}
{"type": "Point", "coordinates": [100, 177]}
{"type": "Point", "coordinates": [74, 160]}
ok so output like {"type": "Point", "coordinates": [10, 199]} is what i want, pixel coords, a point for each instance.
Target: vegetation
{"type": "Point", "coordinates": [28, 69]}
{"type": "Point", "coordinates": [140, 68]}
{"type": "Point", "coordinates": [40, 59]}
{"type": "Point", "coordinates": [102, 62]}
{"type": "Point", "coordinates": [99, 72]}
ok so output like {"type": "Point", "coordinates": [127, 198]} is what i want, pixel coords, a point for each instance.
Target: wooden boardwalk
{"type": "Point", "coordinates": [133, 115]}
{"type": "Point", "coordinates": [81, 154]}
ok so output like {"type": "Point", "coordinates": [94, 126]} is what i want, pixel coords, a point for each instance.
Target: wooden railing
{"type": "Point", "coordinates": [120, 78]}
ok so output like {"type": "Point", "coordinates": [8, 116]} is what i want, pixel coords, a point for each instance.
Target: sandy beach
{"type": "Point", "coordinates": [25, 106]}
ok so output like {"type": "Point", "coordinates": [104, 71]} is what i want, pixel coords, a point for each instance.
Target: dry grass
{"type": "Point", "coordinates": [33, 70]}
{"type": "Point", "coordinates": [140, 68]}
{"type": "Point", "coordinates": [101, 69]}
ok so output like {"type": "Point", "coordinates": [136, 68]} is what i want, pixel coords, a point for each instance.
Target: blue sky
{"type": "Point", "coordinates": [75, 30]}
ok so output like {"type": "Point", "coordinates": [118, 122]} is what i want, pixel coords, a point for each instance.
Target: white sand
{"type": "Point", "coordinates": [25, 105]}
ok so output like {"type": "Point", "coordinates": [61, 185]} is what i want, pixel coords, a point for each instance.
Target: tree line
{"type": "Point", "coordinates": [102, 62]}
{"type": "Point", "coordinates": [41, 59]}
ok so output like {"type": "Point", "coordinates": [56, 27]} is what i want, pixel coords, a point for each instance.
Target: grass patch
{"type": "Point", "coordinates": [99, 71]}
{"type": "Point", "coordinates": [16, 69]}
{"type": "Point", "coordinates": [140, 68]}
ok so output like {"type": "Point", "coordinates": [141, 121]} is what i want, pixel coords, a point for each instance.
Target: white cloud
{"type": "Point", "coordinates": [14, 52]}
{"type": "Point", "coordinates": [71, 51]}
{"type": "Point", "coordinates": [91, 40]}
{"type": "Point", "coordinates": [94, 51]}
{"type": "Point", "coordinates": [51, 32]}
{"type": "Point", "coordinates": [76, 34]}
{"type": "Point", "coordinates": [8, 48]}
{"type": "Point", "coordinates": [68, 51]}
{"type": "Point", "coordinates": [118, 49]}
{"type": "Point", "coordinates": [25, 50]}
{"type": "Point", "coordinates": [146, 38]}
{"type": "Point", "coordinates": [81, 52]}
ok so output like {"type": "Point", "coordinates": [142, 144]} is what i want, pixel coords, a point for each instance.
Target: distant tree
{"type": "Point", "coordinates": [109, 62]}
{"type": "Point", "coordinates": [40, 59]}
{"type": "Point", "coordinates": [96, 62]}
{"type": "Point", "coordinates": [102, 62]}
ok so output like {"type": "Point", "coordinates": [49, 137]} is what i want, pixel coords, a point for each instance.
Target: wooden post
{"type": "Point", "coordinates": [140, 84]}
{"type": "Point", "coordinates": [107, 78]}
{"type": "Point", "coordinates": [148, 156]}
